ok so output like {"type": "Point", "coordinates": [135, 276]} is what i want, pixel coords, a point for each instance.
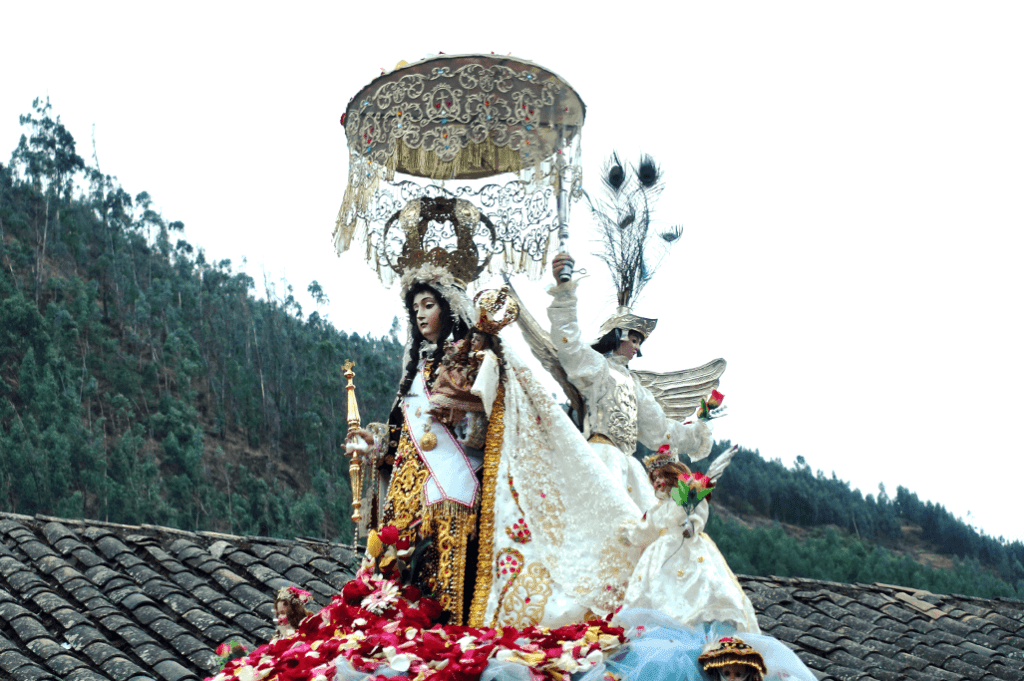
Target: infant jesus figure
{"type": "Point", "coordinates": [452, 402]}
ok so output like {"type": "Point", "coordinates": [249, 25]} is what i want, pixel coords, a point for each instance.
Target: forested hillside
{"type": "Point", "coordinates": [141, 382]}
{"type": "Point", "coordinates": [854, 538]}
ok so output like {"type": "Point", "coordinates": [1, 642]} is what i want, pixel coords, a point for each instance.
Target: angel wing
{"type": "Point", "coordinates": [722, 462]}
{"type": "Point", "coordinates": [680, 392]}
{"type": "Point", "coordinates": [543, 349]}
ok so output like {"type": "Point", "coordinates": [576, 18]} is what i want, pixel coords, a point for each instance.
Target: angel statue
{"type": "Point", "coordinates": [681, 572]}
{"type": "Point", "coordinates": [617, 406]}
{"type": "Point", "coordinates": [683, 602]}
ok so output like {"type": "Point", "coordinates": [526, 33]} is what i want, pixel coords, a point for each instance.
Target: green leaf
{"type": "Point", "coordinates": [684, 492]}
{"type": "Point", "coordinates": [703, 493]}
{"type": "Point", "coordinates": [675, 496]}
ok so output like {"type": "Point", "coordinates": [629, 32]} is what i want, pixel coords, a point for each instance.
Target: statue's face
{"type": "Point", "coordinates": [629, 345]}
{"type": "Point", "coordinates": [428, 315]}
{"type": "Point", "coordinates": [282, 611]}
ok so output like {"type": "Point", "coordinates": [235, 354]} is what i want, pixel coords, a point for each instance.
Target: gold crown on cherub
{"type": "Point", "coordinates": [495, 309]}
{"type": "Point", "coordinates": [662, 457]}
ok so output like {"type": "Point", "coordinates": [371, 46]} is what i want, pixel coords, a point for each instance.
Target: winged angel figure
{"type": "Point", "coordinates": [613, 405]}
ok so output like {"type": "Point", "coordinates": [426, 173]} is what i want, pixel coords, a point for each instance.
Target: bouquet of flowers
{"type": "Point", "coordinates": [690, 489]}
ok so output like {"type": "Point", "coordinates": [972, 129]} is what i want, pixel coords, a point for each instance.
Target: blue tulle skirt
{"type": "Point", "coordinates": [660, 649]}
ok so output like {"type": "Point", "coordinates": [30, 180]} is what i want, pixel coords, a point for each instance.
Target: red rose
{"type": "Point", "coordinates": [389, 534]}
{"type": "Point", "coordinates": [402, 544]}
{"type": "Point", "coordinates": [355, 591]}
{"type": "Point", "coordinates": [411, 593]}
{"type": "Point", "coordinates": [715, 400]}
{"type": "Point", "coordinates": [431, 608]}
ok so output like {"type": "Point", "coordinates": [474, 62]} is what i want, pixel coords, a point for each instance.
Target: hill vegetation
{"type": "Point", "coordinates": [142, 383]}
{"type": "Point", "coordinates": [853, 538]}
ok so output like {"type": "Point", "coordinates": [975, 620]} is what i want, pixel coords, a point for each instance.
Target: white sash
{"type": "Point", "coordinates": [451, 472]}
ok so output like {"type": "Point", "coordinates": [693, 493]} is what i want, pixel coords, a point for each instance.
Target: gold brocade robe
{"type": "Point", "coordinates": [443, 565]}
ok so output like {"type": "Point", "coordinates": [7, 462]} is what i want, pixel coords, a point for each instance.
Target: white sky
{"type": "Point", "coordinates": [849, 176]}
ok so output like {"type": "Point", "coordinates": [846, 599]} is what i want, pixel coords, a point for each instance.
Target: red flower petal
{"type": "Point", "coordinates": [389, 534]}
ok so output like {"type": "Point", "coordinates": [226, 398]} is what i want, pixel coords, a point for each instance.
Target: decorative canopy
{"type": "Point", "coordinates": [443, 127]}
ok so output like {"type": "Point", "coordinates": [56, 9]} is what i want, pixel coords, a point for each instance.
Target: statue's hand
{"type": "Point", "coordinates": [687, 529]}
{"type": "Point", "coordinates": [560, 261]}
{"type": "Point", "coordinates": [359, 441]}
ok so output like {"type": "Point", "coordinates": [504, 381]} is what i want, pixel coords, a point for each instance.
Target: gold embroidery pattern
{"type": "Point", "coordinates": [509, 562]}
{"type": "Point", "coordinates": [527, 610]}
{"type": "Point", "coordinates": [492, 456]}
{"type": "Point", "coordinates": [450, 537]}
{"type": "Point", "coordinates": [404, 502]}
{"type": "Point", "coordinates": [519, 532]}
{"type": "Point", "coordinates": [515, 494]}
{"type": "Point", "coordinates": [444, 563]}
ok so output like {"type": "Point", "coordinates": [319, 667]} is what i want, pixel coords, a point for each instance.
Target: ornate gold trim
{"type": "Point", "coordinates": [492, 457]}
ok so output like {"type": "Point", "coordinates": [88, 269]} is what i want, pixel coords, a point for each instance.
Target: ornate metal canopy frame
{"type": "Point", "coordinates": [500, 132]}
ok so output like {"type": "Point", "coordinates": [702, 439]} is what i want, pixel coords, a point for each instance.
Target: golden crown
{"type": "Point", "coordinates": [496, 309]}
{"type": "Point", "coordinates": [659, 459]}
{"type": "Point", "coordinates": [420, 227]}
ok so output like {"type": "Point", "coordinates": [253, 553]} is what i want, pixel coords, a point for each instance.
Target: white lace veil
{"type": "Point", "coordinates": [573, 508]}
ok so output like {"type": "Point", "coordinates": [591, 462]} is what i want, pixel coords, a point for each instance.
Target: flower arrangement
{"type": "Point", "coordinates": [385, 627]}
{"type": "Point", "coordinates": [691, 489]}
{"type": "Point", "coordinates": [230, 650]}
{"type": "Point", "coordinates": [378, 626]}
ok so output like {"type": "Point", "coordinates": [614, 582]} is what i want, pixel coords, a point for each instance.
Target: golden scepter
{"type": "Point", "coordinates": [353, 467]}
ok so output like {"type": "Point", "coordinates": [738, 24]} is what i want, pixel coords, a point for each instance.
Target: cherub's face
{"type": "Point", "coordinates": [733, 672]}
{"type": "Point", "coordinates": [663, 481]}
{"type": "Point", "coordinates": [281, 610]}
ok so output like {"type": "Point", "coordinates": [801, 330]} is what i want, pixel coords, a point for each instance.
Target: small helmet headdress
{"type": "Point", "coordinates": [732, 650]}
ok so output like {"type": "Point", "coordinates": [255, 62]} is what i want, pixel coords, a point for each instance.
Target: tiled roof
{"type": "Point", "coordinates": [85, 600]}
{"type": "Point", "coordinates": [886, 632]}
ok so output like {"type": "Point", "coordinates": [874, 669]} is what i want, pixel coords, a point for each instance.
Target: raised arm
{"type": "Point", "coordinates": [582, 364]}
{"type": "Point", "coordinates": [692, 439]}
